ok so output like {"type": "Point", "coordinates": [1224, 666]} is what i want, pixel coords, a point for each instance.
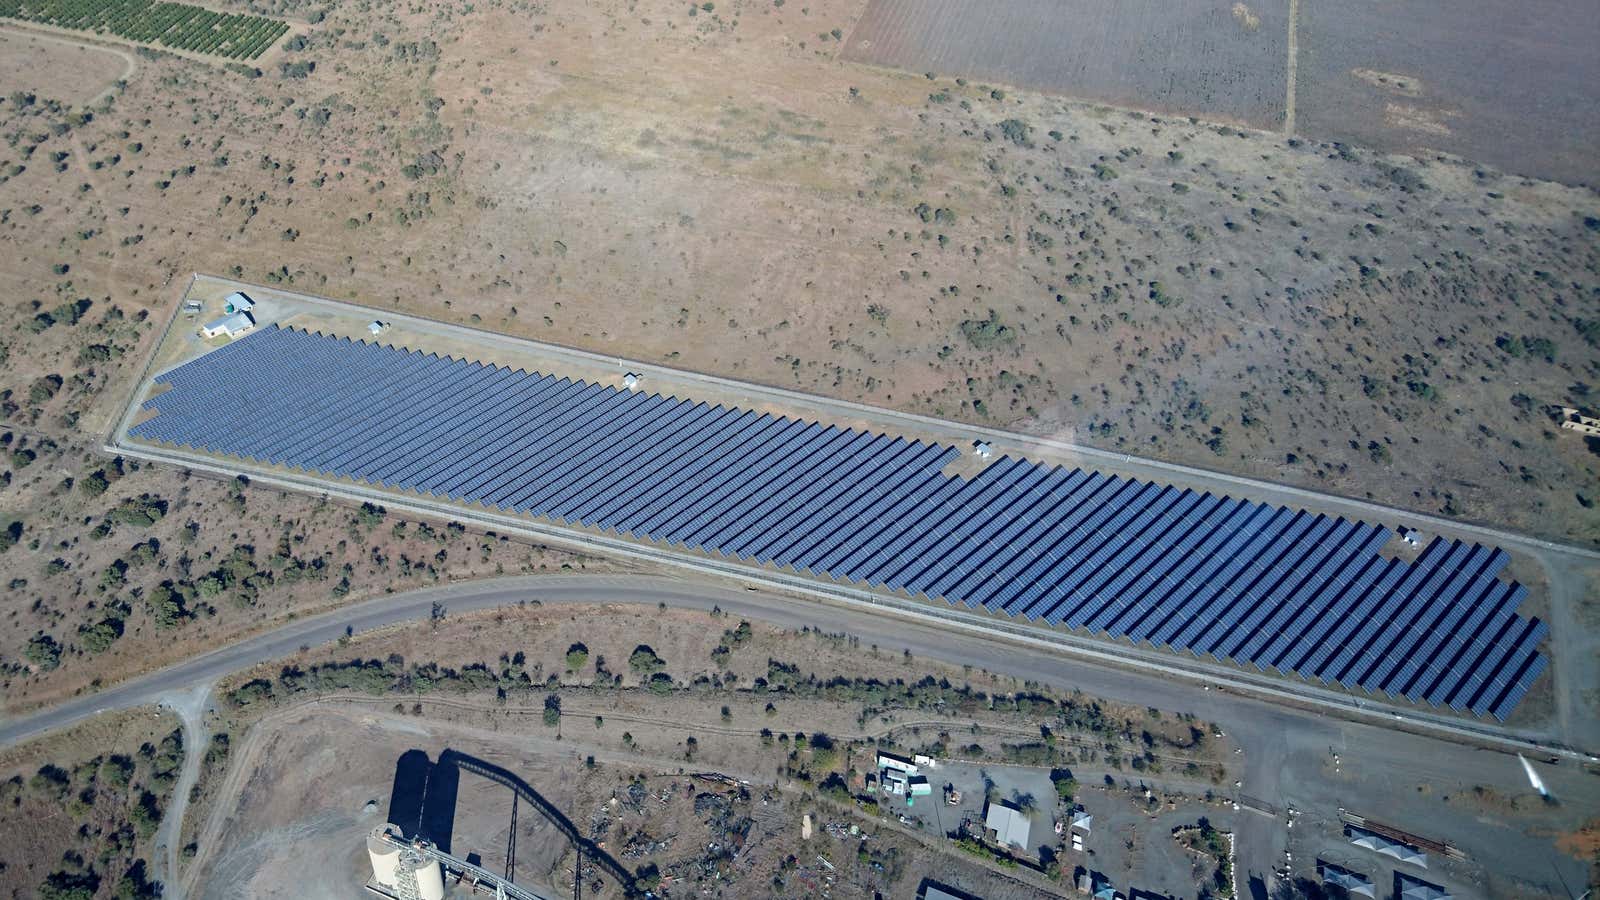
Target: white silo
{"type": "Point", "coordinates": [385, 857]}
{"type": "Point", "coordinates": [402, 870]}
{"type": "Point", "coordinates": [425, 872]}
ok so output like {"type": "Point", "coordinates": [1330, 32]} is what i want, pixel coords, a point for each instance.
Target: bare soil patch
{"type": "Point", "coordinates": [304, 800]}
{"type": "Point", "coordinates": [59, 68]}
{"type": "Point", "coordinates": [783, 710]}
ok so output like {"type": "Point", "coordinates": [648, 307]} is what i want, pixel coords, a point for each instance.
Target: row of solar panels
{"type": "Point", "coordinates": [1277, 588]}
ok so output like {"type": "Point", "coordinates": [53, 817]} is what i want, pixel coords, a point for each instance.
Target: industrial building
{"type": "Point", "coordinates": [1408, 888]}
{"type": "Point", "coordinates": [1387, 846]}
{"type": "Point", "coordinates": [1009, 825]}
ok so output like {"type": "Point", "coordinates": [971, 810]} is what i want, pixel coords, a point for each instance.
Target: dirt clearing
{"type": "Point", "coordinates": [59, 68]}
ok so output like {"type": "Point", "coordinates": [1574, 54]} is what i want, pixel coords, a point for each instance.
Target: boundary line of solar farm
{"type": "Point", "coordinates": [1100, 652]}
{"type": "Point", "coordinates": [1188, 668]}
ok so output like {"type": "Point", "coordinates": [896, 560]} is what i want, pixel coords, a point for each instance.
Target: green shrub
{"type": "Point", "coordinates": [141, 512]}
{"type": "Point", "coordinates": [577, 657]}
{"type": "Point", "coordinates": [644, 661]}
{"type": "Point", "coordinates": [988, 334]}
{"type": "Point", "coordinates": [63, 885]}
{"type": "Point", "coordinates": [10, 534]}
{"type": "Point", "coordinates": [95, 483]}
{"type": "Point", "coordinates": [1017, 132]}
{"type": "Point", "coordinates": [99, 637]}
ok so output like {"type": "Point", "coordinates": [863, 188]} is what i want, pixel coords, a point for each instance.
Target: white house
{"type": "Point", "coordinates": [232, 326]}
{"type": "Point", "coordinates": [237, 303]}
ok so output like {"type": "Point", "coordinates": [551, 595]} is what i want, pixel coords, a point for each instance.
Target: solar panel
{"type": "Point", "coordinates": [1273, 587]}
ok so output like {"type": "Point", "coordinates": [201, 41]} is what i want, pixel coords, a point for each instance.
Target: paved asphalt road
{"type": "Point", "coordinates": [1287, 752]}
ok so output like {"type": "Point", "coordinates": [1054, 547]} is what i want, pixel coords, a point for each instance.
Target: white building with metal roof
{"type": "Point", "coordinates": [232, 326]}
{"type": "Point", "coordinates": [1008, 823]}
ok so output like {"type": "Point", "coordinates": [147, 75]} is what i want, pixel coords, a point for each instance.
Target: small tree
{"type": "Point", "coordinates": [577, 657]}
{"type": "Point", "coordinates": [552, 710]}
{"type": "Point", "coordinates": [1066, 785]}
{"type": "Point", "coordinates": [644, 661]}
{"type": "Point", "coordinates": [43, 651]}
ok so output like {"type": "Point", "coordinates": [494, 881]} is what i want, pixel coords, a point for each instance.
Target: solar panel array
{"type": "Point", "coordinates": [1270, 586]}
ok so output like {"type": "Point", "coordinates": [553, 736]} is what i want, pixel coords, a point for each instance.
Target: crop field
{"type": "Point", "coordinates": [176, 25]}
{"type": "Point", "coordinates": [1506, 85]}
{"type": "Point", "coordinates": [1191, 57]}
{"type": "Point", "coordinates": [1509, 84]}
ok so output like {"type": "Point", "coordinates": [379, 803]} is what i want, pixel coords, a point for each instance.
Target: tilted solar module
{"type": "Point", "coordinates": [1272, 587]}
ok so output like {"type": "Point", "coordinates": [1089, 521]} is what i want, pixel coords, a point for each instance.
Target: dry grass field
{"type": "Point", "coordinates": [1510, 85]}
{"type": "Point", "coordinates": [79, 809]}
{"type": "Point", "coordinates": [66, 70]}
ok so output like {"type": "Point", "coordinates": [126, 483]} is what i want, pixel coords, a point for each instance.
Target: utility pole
{"type": "Point", "coordinates": [577, 872]}
{"type": "Point", "coordinates": [511, 841]}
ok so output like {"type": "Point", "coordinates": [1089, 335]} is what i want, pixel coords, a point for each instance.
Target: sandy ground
{"type": "Point", "coordinates": [57, 67]}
